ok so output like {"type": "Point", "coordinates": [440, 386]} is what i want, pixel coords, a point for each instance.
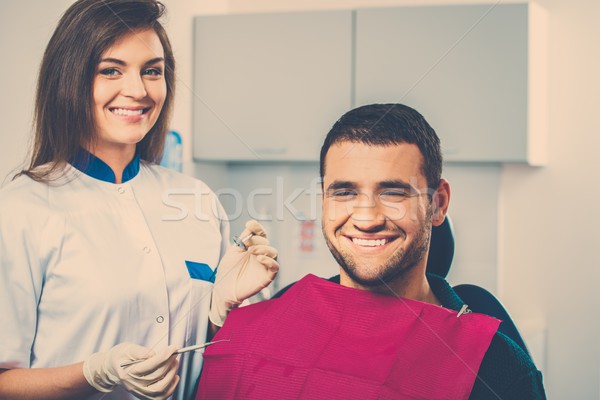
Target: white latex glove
{"type": "Point", "coordinates": [243, 273]}
{"type": "Point", "coordinates": [154, 378]}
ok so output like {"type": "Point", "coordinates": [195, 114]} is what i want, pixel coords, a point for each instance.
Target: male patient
{"type": "Point", "coordinates": [388, 330]}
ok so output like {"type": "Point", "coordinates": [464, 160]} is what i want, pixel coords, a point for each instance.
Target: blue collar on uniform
{"type": "Point", "coordinates": [91, 165]}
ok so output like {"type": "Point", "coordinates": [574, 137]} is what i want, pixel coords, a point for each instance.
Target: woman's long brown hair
{"type": "Point", "coordinates": [63, 114]}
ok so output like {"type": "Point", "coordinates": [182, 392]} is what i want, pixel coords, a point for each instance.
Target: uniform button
{"type": "Point", "coordinates": [160, 319]}
{"type": "Point", "coordinates": [146, 249]}
{"type": "Point", "coordinates": [121, 189]}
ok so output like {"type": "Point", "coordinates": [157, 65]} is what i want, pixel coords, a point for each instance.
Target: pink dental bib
{"type": "Point", "coordinates": [321, 340]}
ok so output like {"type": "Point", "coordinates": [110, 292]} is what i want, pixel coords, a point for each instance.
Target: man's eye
{"type": "Point", "coordinates": [343, 193]}
{"type": "Point", "coordinates": [395, 195]}
{"type": "Point", "coordinates": [109, 71]}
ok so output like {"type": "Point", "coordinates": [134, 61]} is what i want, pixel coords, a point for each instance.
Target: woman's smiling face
{"type": "Point", "coordinates": [129, 91]}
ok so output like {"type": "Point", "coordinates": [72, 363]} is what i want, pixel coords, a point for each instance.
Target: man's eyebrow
{"type": "Point", "coordinates": [123, 63]}
{"type": "Point", "coordinates": [396, 183]}
{"type": "Point", "coordinates": [340, 185]}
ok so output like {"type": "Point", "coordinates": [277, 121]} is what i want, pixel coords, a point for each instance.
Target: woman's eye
{"type": "Point", "coordinates": [152, 72]}
{"type": "Point", "coordinates": [109, 71]}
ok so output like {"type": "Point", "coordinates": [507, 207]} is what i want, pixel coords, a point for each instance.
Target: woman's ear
{"type": "Point", "coordinates": [440, 202]}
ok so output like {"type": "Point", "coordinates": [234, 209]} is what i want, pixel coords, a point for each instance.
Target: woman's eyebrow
{"type": "Point", "coordinates": [113, 60]}
{"type": "Point", "coordinates": [123, 63]}
{"type": "Point", "coordinates": [155, 60]}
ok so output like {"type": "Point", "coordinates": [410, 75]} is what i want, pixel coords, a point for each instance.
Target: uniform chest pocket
{"type": "Point", "coordinates": [200, 271]}
{"type": "Point", "coordinates": [198, 301]}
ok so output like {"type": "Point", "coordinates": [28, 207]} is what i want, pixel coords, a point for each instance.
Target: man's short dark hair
{"type": "Point", "coordinates": [384, 125]}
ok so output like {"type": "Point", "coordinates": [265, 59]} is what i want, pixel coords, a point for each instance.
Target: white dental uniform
{"type": "Point", "coordinates": [86, 264]}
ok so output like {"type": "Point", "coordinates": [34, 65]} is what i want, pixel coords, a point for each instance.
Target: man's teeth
{"type": "Point", "coordinates": [372, 243]}
{"type": "Point", "coordinates": [122, 111]}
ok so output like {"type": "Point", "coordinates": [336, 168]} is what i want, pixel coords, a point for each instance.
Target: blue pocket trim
{"type": "Point", "coordinates": [200, 271]}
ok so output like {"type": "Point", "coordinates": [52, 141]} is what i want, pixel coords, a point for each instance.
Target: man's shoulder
{"type": "Point", "coordinates": [505, 354]}
{"type": "Point", "coordinates": [507, 371]}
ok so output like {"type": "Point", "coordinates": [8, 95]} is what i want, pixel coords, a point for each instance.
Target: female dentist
{"type": "Point", "coordinates": [106, 257]}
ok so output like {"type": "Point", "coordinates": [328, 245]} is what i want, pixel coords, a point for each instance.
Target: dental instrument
{"type": "Point", "coordinates": [180, 351]}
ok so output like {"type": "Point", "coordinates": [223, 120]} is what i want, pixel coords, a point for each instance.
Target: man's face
{"type": "Point", "coordinates": [376, 212]}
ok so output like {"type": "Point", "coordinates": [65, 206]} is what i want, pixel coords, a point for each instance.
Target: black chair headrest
{"type": "Point", "coordinates": [441, 249]}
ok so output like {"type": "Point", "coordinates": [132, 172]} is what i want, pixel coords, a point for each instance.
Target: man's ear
{"type": "Point", "coordinates": [440, 202]}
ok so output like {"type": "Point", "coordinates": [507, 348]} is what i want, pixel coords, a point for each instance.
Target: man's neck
{"type": "Point", "coordinates": [411, 285]}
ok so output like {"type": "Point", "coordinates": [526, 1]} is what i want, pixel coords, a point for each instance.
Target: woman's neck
{"type": "Point", "coordinates": [117, 158]}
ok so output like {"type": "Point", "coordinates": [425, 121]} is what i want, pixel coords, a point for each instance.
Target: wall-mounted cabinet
{"type": "Point", "coordinates": [269, 86]}
{"type": "Point", "coordinates": [470, 70]}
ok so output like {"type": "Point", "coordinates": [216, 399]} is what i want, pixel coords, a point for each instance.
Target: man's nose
{"type": "Point", "coordinates": [367, 213]}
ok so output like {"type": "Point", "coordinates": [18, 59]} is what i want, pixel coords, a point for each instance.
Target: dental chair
{"type": "Point", "coordinates": [441, 254]}
{"type": "Point", "coordinates": [479, 300]}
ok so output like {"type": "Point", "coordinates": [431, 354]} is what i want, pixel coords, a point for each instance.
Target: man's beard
{"type": "Point", "coordinates": [396, 267]}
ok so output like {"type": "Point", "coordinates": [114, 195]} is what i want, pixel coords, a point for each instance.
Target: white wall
{"type": "Point", "coordinates": [547, 263]}
{"type": "Point", "coordinates": [550, 264]}
{"type": "Point", "coordinates": [25, 28]}
{"type": "Point", "coordinates": [178, 24]}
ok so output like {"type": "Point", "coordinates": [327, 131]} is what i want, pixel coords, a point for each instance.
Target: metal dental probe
{"type": "Point", "coordinates": [180, 351]}
{"type": "Point", "coordinates": [240, 241]}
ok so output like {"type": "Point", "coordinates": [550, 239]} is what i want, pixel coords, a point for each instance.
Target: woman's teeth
{"type": "Point", "coordinates": [122, 111]}
{"type": "Point", "coordinates": [371, 243]}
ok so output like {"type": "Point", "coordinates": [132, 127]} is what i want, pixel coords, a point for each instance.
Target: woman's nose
{"type": "Point", "coordinates": [134, 87]}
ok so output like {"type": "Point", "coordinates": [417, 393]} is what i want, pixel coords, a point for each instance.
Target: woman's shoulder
{"type": "Point", "coordinates": [24, 205]}
{"type": "Point", "coordinates": [22, 189]}
{"type": "Point", "coordinates": [25, 191]}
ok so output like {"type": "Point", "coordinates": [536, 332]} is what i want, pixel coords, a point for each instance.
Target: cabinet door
{"type": "Point", "coordinates": [269, 86]}
{"type": "Point", "coordinates": [464, 67]}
